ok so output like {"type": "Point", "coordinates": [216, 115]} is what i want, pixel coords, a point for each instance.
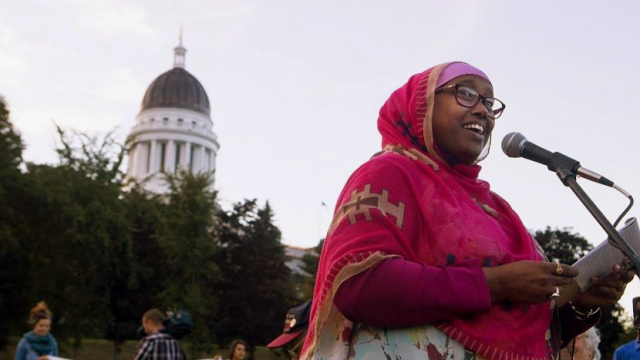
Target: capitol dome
{"type": "Point", "coordinates": [173, 130]}
{"type": "Point", "coordinates": [177, 88]}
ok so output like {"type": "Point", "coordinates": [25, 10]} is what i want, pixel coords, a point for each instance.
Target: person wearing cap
{"type": "Point", "coordinates": [295, 330]}
{"type": "Point", "coordinates": [422, 260]}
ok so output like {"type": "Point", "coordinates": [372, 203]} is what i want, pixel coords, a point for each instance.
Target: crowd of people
{"type": "Point", "coordinates": [158, 343]}
{"type": "Point", "coordinates": [422, 260]}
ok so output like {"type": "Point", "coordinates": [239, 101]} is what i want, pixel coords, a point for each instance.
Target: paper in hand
{"type": "Point", "coordinates": [599, 262]}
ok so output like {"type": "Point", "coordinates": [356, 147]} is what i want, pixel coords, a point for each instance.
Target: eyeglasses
{"type": "Point", "coordinates": [468, 97]}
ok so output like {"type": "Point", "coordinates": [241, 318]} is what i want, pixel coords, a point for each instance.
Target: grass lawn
{"type": "Point", "coordinates": [96, 349]}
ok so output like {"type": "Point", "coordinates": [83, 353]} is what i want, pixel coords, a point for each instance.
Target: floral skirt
{"type": "Point", "coordinates": [420, 342]}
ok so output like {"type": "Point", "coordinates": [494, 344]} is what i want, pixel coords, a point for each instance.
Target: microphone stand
{"type": "Point", "coordinates": [562, 165]}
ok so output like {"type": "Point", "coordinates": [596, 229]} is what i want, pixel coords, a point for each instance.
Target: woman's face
{"type": "Point", "coordinates": [42, 327]}
{"type": "Point", "coordinates": [452, 123]}
{"type": "Point", "coordinates": [239, 352]}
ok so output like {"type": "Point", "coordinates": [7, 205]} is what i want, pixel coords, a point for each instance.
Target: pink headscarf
{"type": "Point", "coordinates": [409, 203]}
{"type": "Point", "coordinates": [413, 104]}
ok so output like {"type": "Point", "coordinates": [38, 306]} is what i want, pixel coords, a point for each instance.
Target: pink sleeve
{"type": "Point", "coordinates": [402, 293]}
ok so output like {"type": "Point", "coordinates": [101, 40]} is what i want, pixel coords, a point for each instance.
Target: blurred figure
{"type": "Point", "coordinates": [38, 343]}
{"type": "Point", "coordinates": [238, 350]}
{"type": "Point", "coordinates": [585, 347]}
{"type": "Point", "coordinates": [631, 350]}
{"type": "Point", "coordinates": [296, 324]}
{"type": "Point", "coordinates": [158, 345]}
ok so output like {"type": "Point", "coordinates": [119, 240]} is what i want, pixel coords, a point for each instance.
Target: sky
{"type": "Point", "coordinates": [295, 88]}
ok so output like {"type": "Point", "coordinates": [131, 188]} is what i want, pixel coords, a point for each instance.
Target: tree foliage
{"type": "Point", "coordinates": [255, 290]}
{"type": "Point", "coordinates": [11, 188]}
{"type": "Point", "coordinates": [100, 250]}
{"type": "Point", "coordinates": [186, 237]}
{"type": "Point", "coordinates": [562, 245]}
{"type": "Point", "coordinates": [75, 237]}
{"type": "Point", "coordinates": [311, 262]}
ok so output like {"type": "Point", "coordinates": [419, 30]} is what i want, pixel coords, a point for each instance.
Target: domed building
{"type": "Point", "coordinates": [173, 129]}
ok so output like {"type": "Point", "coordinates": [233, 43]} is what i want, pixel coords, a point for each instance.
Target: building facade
{"type": "Point", "coordinates": [173, 130]}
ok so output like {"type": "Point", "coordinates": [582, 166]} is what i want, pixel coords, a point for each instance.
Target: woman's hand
{"type": "Point", "coordinates": [43, 357]}
{"type": "Point", "coordinates": [608, 290]}
{"type": "Point", "coordinates": [527, 281]}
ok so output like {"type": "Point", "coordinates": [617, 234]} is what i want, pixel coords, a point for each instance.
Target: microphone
{"type": "Point", "coordinates": [516, 145]}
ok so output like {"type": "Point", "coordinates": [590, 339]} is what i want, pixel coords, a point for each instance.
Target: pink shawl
{"type": "Point", "coordinates": [409, 203]}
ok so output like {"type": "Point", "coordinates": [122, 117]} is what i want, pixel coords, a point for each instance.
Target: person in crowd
{"type": "Point", "coordinates": [583, 347]}
{"type": "Point", "coordinates": [631, 350]}
{"type": "Point", "coordinates": [39, 342]}
{"type": "Point", "coordinates": [158, 345]}
{"type": "Point", "coordinates": [295, 329]}
{"type": "Point", "coordinates": [423, 260]}
{"type": "Point", "coordinates": [237, 350]}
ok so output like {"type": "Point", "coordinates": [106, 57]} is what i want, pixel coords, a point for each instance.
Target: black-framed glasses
{"type": "Point", "coordinates": [468, 97]}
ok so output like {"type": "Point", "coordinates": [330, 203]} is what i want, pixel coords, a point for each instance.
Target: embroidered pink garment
{"type": "Point", "coordinates": [411, 204]}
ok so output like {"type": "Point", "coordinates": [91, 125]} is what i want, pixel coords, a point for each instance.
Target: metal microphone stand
{"type": "Point", "coordinates": [562, 165]}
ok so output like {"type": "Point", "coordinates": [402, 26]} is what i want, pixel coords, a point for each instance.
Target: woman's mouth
{"type": "Point", "coordinates": [476, 128]}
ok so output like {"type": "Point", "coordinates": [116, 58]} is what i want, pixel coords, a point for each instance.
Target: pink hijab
{"type": "Point", "coordinates": [409, 203]}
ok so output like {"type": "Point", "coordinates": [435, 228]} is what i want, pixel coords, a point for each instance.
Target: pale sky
{"type": "Point", "coordinates": [295, 88]}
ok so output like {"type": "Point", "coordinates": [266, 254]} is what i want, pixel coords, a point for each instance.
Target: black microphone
{"type": "Point", "coordinates": [516, 145]}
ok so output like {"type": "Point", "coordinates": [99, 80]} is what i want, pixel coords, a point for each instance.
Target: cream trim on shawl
{"type": "Point", "coordinates": [413, 154]}
{"type": "Point", "coordinates": [326, 303]}
{"type": "Point", "coordinates": [427, 123]}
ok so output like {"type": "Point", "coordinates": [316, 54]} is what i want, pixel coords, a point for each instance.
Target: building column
{"type": "Point", "coordinates": [202, 163]}
{"type": "Point", "coordinates": [207, 160]}
{"type": "Point", "coordinates": [140, 166]}
{"type": "Point", "coordinates": [132, 157]}
{"type": "Point", "coordinates": [170, 157]}
{"type": "Point", "coordinates": [153, 163]}
{"type": "Point", "coordinates": [195, 159]}
{"type": "Point", "coordinates": [184, 154]}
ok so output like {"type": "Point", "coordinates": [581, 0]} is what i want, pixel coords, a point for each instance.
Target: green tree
{"type": "Point", "coordinates": [11, 146]}
{"type": "Point", "coordinates": [11, 270]}
{"type": "Point", "coordinates": [140, 291]}
{"type": "Point", "coordinates": [566, 247]}
{"type": "Point", "coordinates": [75, 240]}
{"type": "Point", "coordinates": [562, 245]}
{"type": "Point", "coordinates": [256, 290]}
{"type": "Point", "coordinates": [186, 236]}
{"type": "Point", "coordinates": [310, 266]}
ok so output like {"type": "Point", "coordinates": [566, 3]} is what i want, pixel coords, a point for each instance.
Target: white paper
{"type": "Point", "coordinates": [599, 262]}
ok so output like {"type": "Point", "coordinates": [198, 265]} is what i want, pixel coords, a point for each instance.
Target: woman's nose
{"type": "Point", "coordinates": [480, 109]}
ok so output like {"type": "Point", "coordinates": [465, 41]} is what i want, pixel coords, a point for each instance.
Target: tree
{"type": "Point", "coordinates": [563, 246]}
{"type": "Point", "coordinates": [140, 290]}
{"type": "Point", "coordinates": [311, 262]}
{"type": "Point", "coordinates": [11, 271]}
{"type": "Point", "coordinates": [186, 237]}
{"type": "Point", "coordinates": [256, 290]}
{"type": "Point", "coordinates": [74, 232]}
{"type": "Point", "coordinates": [11, 145]}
